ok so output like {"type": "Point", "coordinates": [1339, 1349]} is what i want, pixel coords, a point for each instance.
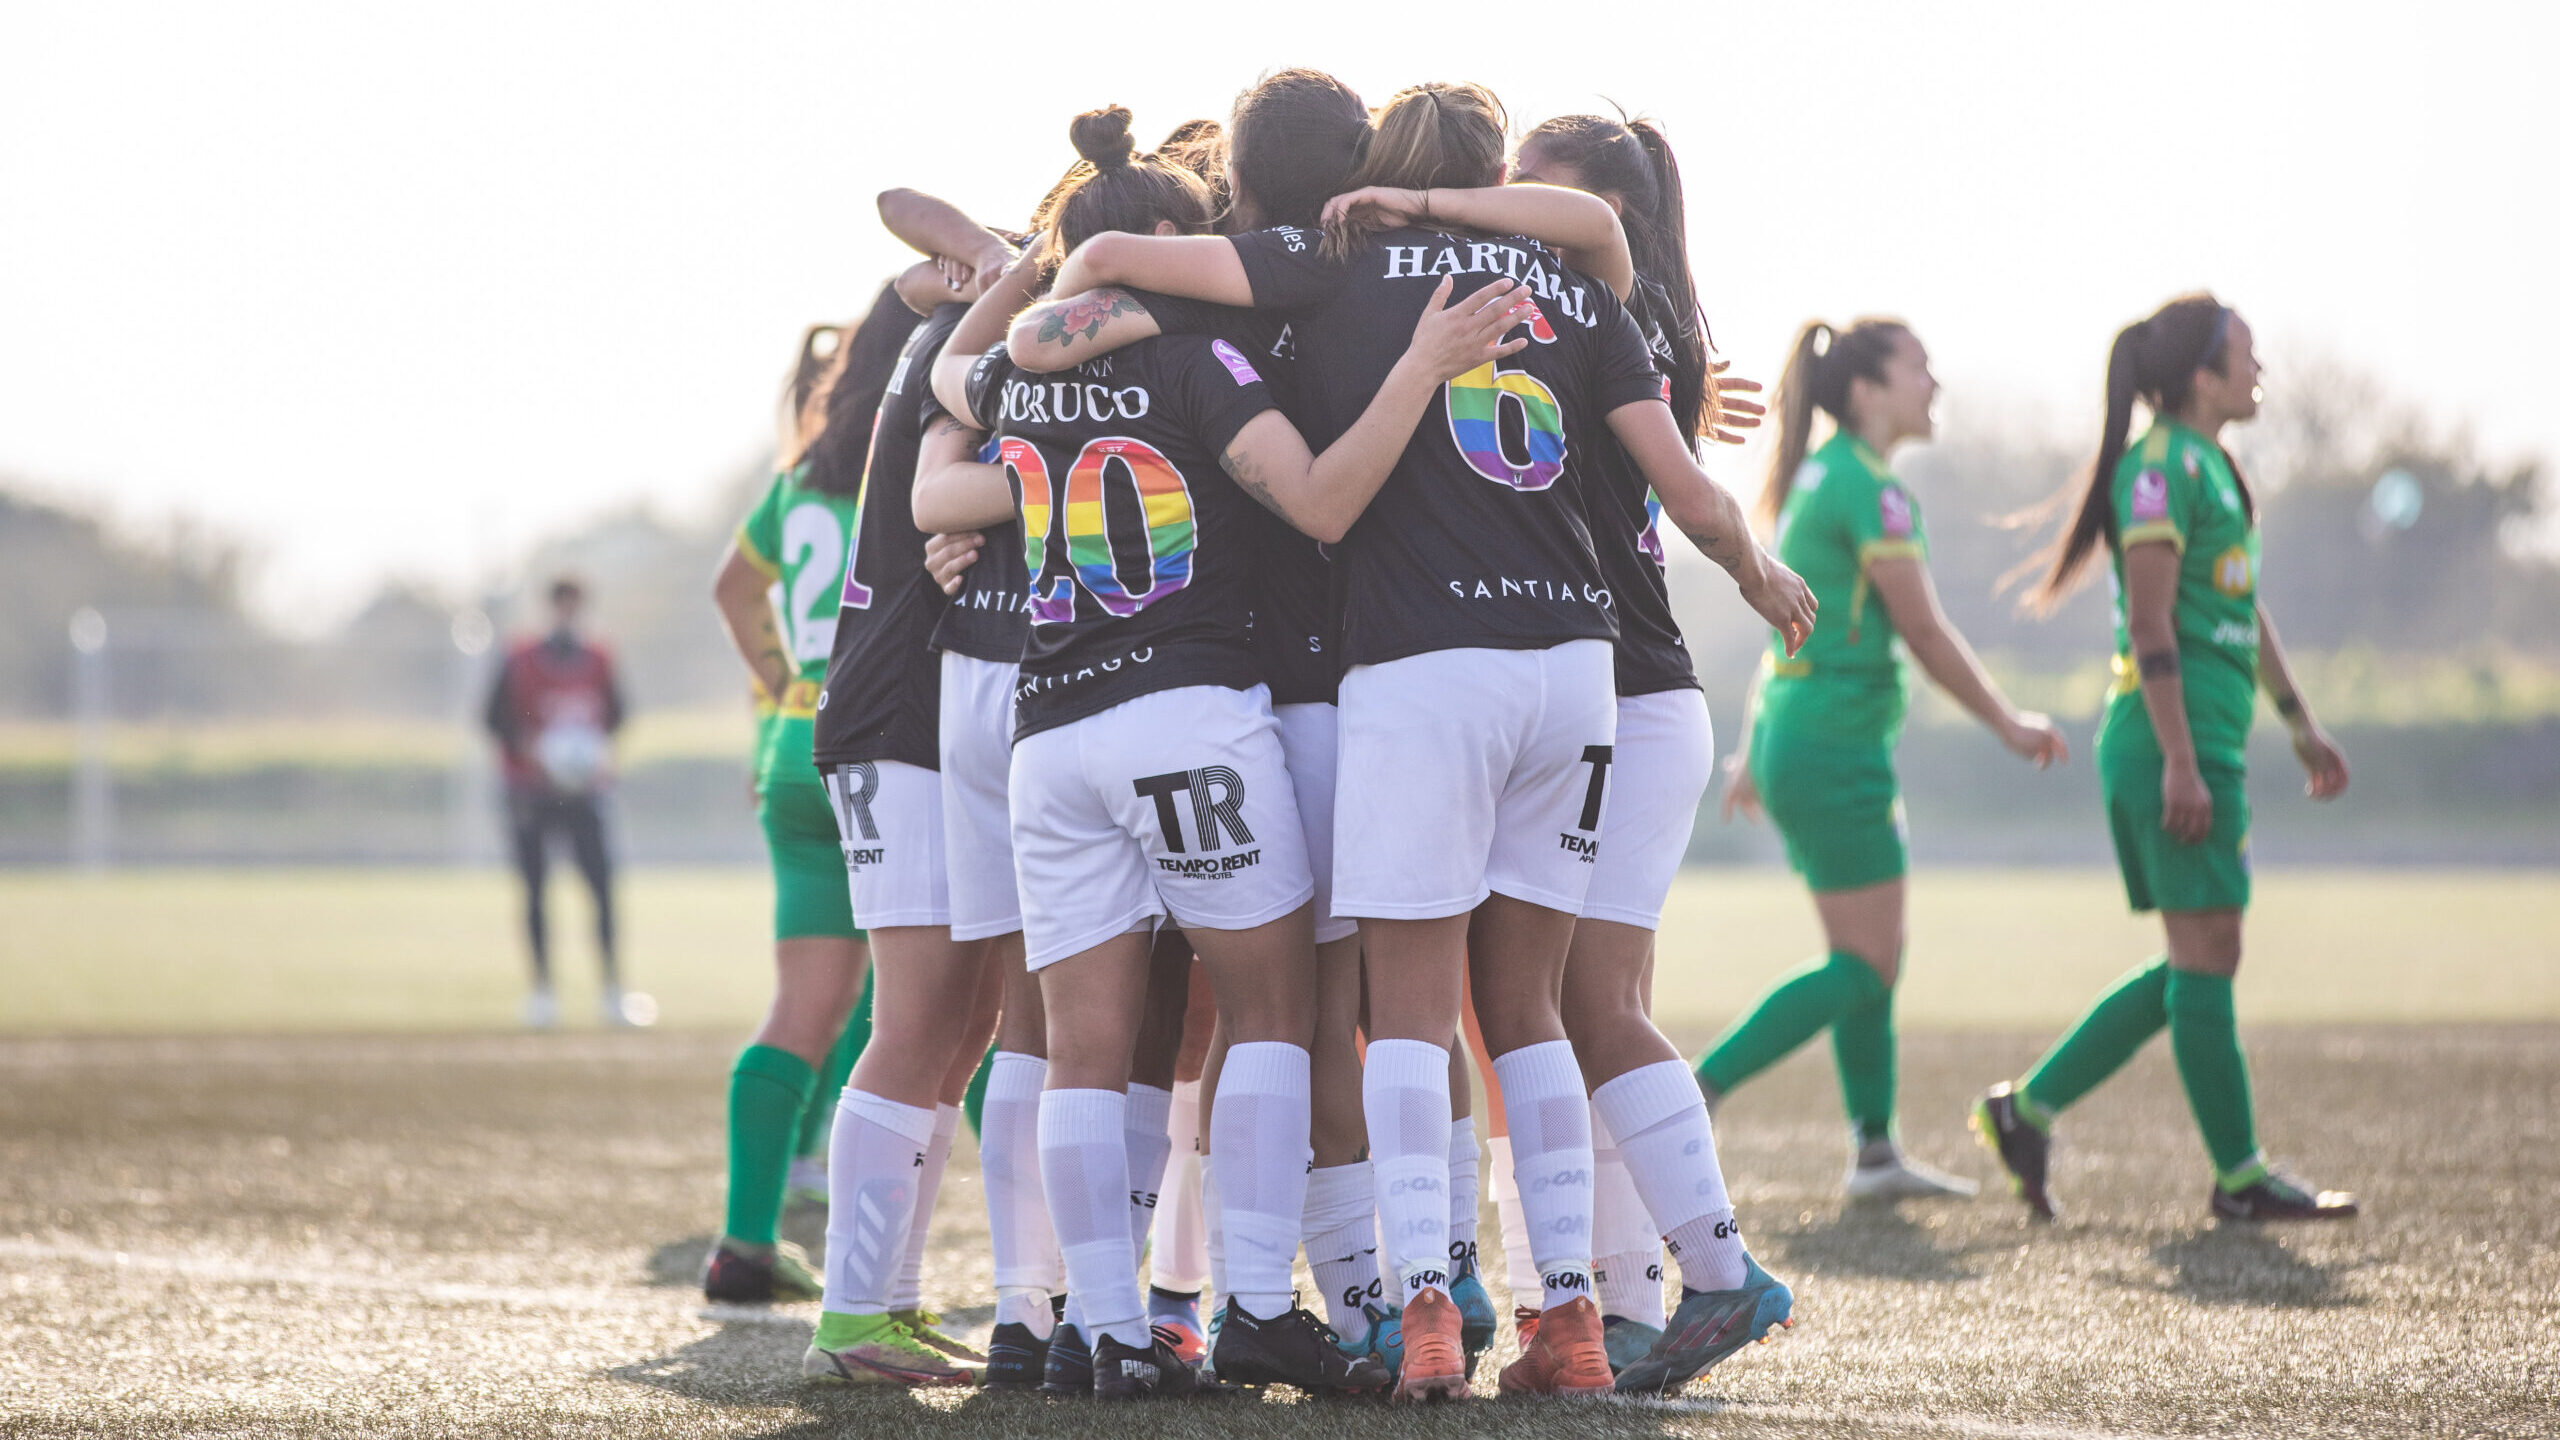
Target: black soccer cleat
{"type": "Point", "coordinates": [741, 1275]}
{"type": "Point", "coordinates": [1016, 1359]}
{"type": "Point", "coordinates": [1293, 1349]}
{"type": "Point", "coordinates": [2022, 1146]}
{"type": "Point", "coordinates": [2278, 1196]}
{"type": "Point", "coordinates": [1068, 1367]}
{"type": "Point", "coordinates": [1125, 1372]}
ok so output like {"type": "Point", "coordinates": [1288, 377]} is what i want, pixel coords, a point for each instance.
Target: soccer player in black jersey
{"type": "Point", "coordinates": [1146, 773]}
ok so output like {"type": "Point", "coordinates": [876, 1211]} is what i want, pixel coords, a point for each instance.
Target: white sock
{"type": "Point", "coordinates": [1670, 1150]}
{"type": "Point", "coordinates": [1180, 1262]}
{"type": "Point", "coordinates": [1342, 1245]}
{"type": "Point", "coordinates": [1215, 1242]}
{"type": "Point", "coordinates": [1149, 1148]}
{"type": "Point", "coordinates": [908, 1292]}
{"type": "Point", "coordinates": [1626, 1265]}
{"type": "Point", "coordinates": [1465, 1193]}
{"type": "Point", "coordinates": [1550, 1120]}
{"type": "Point", "coordinates": [872, 1156]}
{"type": "Point", "coordinates": [1404, 1093]}
{"type": "Point", "coordinates": [1260, 1127]}
{"type": "Point", "coordinates": [1027, 1306]}
{"type": "Point", "coordinates": [1084, 1167]}
{"type": "Point", "coordinates": [1025, 1248]}
{"type": "Point", "coordinates": [1518, 1270]}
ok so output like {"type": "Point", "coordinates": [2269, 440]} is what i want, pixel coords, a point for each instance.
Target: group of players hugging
{"type": "Point", "coordinates": [1222, 633]}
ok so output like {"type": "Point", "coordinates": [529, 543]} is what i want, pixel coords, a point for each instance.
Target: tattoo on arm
{"type": "Point", "coordinates": [2158, 664]}
{"type": "Point", "coordinates": [1716, 546]}
{"type": "Point", "coordinates": [1239, 468]}
{"type": "Point", "coordinates": [1085, 315]}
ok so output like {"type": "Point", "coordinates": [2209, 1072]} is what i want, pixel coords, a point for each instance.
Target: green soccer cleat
{"type": "Point", "coordinates": [1708, 1326]}
{"type": "Point", "coordinates": [926, 1326]}
{"type": "Point", "coordinates": [877, 1350]}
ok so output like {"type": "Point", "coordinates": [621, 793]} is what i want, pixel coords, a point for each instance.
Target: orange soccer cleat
{"type": "Point", "coordinates": [1435, 1362]}
{"type": "Point", "coordinates": [1567, 1355]}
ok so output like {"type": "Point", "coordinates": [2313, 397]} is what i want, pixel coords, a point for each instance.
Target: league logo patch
{"type": "Point", "coordinates": [2150, 496]}
{"type": "Point", "coordinates": [2231, 572]}
{"type": "Point", "coordinates": [1234, 360]}
{"type": "Point", "coordinates": [1893, 509]}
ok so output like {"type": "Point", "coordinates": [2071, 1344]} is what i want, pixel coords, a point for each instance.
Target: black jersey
{"type": "Point", "coordinates": [1626, 531]}
{"type": "Point", "coordinates": [883, 696]}
{"type": "Point", "coordinates": [1296, 626]}
{"type": "Point", "coordinates": [1139, 548]}
{"type": "Point", "coordinates": [1478, 537]}
{"type": "Point", "coordinates": [989, 619]}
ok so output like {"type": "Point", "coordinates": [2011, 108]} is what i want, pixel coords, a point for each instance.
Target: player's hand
{"type": "Point", "coordinates": [2186, 806]}
{"type": "Point", "coordinates": [1450, 340]}
{"type": "Point", "coordinates": [2035, 737]}
{"type": "Point", "coordinates": [1740, 791]}
{"type": "Point", "coordinates": [969, 276]}
{"type": "Point", "coordinates": [947, 558]}
{"type": "Point", "coordinates": [1780, 596]}
{"type": "Point", "coordinates": [1728, 413]}
{"type": "Point", "coordinates": [1377, 203]}
{"type": "Point", "coordinates": [2323, 761]}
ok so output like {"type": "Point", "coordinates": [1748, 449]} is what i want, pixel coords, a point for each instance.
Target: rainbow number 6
{"type": "Point", "coordinates": [1475, 402]}
{"type": "Point", "coordinates": [1163, 500]}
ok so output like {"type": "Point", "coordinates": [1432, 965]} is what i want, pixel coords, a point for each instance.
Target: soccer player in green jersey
{"type": "Point", "coordinates": [2193, 647]}
{"type": "Point", "coordinates": [1818, 753]}
{"type": "Point", "coordinates": [777, 593]}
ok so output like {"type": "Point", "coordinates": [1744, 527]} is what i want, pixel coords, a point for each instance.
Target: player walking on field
{"type": "Point", "coordinates": [1819, 757]}
{"type": "Point", "coordinates": [777, 593]}
{"type": "Point", "coordinates": [2193, 647]}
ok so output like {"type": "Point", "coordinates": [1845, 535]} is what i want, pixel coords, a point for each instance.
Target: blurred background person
{"type": "Point", "coordinates": [554, 709]}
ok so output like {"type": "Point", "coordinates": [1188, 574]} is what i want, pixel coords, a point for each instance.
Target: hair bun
{"type": "Point", "coordinates": [1102, 137]}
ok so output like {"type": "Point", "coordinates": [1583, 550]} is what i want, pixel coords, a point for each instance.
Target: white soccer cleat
{"type": "Point", "coordinates": [542, 1010]}
{"type": "Point", "coordinates": [628, 1009]}
{"type": "Point", "coordinates": [1899, 1177]}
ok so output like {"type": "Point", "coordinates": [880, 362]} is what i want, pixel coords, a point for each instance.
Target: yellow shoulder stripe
{"type": "Point", "coordinates": [2151, 530]}
{"type": "Point", "coordinates": [753, 556]}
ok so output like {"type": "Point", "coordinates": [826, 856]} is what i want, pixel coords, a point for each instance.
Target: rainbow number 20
{"type": "Point", "coordinates": [1475, 402]}
{"type": "Point", "coordinates": [1107, 469]}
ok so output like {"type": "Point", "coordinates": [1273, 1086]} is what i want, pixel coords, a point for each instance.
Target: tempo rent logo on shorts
{"type": "Point", "coordinates": [1217, 814]}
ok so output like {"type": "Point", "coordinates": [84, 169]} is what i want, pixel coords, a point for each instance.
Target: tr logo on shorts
{"type": "Point", "coordinates": [856, 785]}
{"type": "Point", "coordinates": [1217, 802]}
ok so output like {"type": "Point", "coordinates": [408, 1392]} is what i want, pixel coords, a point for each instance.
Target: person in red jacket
{"type": "Point", "coordinates": [554, 709]}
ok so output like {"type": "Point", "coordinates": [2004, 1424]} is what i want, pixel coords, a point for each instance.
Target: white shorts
{"type": "Point", "coordinates": [977, 760]}
{"type": "Point", "coordinates": [889, 817]}
{"type": "Point", "coordinates": [1666, 751]}
{"type": "Point", "coordinates": [1465, 772]}
{"type": "Point", "coordinates": [1310, 739]}
{"type": "Point", "coordinates": [1175, 803]}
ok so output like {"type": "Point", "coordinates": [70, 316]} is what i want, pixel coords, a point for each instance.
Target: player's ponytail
{"type": "Point", "coordinates": [2153, 360]}
{"type": "Point", "coordinates": [1631, 162]}
{"type": "Point", "coordinates": [804, 393]}
{"type": "Point", "coordinates": [1820, 365]}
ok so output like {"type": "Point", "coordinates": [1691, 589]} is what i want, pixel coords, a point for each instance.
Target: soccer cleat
{"type": "Point", "coordinates": [881, 1352]}
{"type": "Point", "coordinates": [2022, 1146]}
{"type": "Point", "coordinates": [1294, 1349]}
{"type": "Point", "coordinates": [1627, 1341]}
{"type": "Point", "coordinates": [1476, 1321]}
{"type": "Point", "coordinates": [626, 1009]}
{"type": "Point", "coordinates": [2275, 1195]}
{"type": "Point", "coordinates": [739, 1274]}
{"type": "Point", "coordinates": [1385, 1341]}
{"type": "Point", "coordinates": [926, 1326]}
{"type": "Point", "coordinates": [542, 1010]}
{"type": "Point", "coordinates": [1068, 1367]}
{"type": "Point", "coordinates": [1016, 1358]}
{"type": "Point", "coordinates": [1524, 1324]}
{"type": "Point", "coordinates": [1899, 1177]}
{"type": "Point", "coordinates": [1176, 1316]}
{"type": "Point", "coordinates": [1567, 1355]}
{"type": "Point", "coordinates": [1708, 1326]}
{"type": "Point", "coordinates": [1125, 1372]}
{"type": "Point", "coordinates": [1435, 1362]}
{"type": "Point", "coordinates": [807, 1183]}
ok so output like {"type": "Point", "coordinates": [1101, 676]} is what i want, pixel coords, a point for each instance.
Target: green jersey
{"type": "Point", "coordinates": [2176, 485]}
{"type": "Point", "coordinates": [799, 535]}
{"type": "Point", "coordinates": [1844, 512]}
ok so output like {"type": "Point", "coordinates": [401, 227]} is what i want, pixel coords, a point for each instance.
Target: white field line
{"type": "Point", "coordinates": [1893, 1420]}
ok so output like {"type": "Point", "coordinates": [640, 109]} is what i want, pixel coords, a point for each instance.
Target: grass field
{"type": "Point", "coordinates": [460, 1231]}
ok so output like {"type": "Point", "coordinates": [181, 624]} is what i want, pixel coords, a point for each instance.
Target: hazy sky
{"type": "Point", "coordinates": [406, 288]}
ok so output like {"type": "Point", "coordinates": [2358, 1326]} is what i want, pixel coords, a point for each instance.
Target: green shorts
{"type": "Point", "coordinates": [1837, 804]}
{"type": "Point", "coordinates": [2165, 874]}
{"type": "Point", "coordinates": [810, 894]}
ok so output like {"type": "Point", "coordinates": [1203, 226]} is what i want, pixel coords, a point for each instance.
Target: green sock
{"type": "Point", "coordinates": [820, 1117]}
{"type": "Point", "coordinates": [768, 1088]}
{"type": "Point", "coordinates": [2206, 1039]}
{"type": "Point", "coordinates": [2125, 1017]}
{"type": "Point", "coordinates": [1807, 999]}
{"type": "Point", "coordinates": [1862, 1045]}
{"type": "Point", "coordinates": [973, 1104]}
